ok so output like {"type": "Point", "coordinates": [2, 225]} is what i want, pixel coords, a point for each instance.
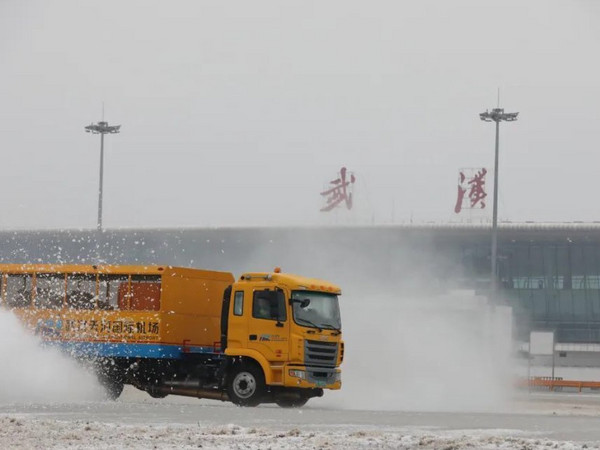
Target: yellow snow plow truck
{"type": "Point", "coordinates": [269, 337]}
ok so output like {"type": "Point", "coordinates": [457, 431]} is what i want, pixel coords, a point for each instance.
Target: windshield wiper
{"type": "Point", "coordinates": [310, 323]}
{"type": "Point", "coordinates": [331, 327]}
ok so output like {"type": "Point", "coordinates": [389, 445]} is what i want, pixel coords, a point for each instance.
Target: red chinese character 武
{"type": "Point", "coordinates": [339, 192]}
{"type": "Point", "coordinates": [474, 189]}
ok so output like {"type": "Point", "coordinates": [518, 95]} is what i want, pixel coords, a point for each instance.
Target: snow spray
{"type": "Point", "coordinates": [37, 374]}
{"type": "Point", "coordinates": [414, 341]}
{"type": "Point", "coordinates": [449, 352]}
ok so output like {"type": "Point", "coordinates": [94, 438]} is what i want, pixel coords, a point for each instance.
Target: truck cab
{"type": "Point", "coordinates": [284, 333]}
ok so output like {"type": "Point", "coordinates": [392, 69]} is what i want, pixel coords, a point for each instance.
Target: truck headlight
{"type": "Point", "coordinates": [298, 374]}
{"type": "Point", "coordinates": [337, 377]}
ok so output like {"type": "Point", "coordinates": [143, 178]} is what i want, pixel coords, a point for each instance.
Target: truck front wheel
{"type": "Point", "coordinates": [246, 385]}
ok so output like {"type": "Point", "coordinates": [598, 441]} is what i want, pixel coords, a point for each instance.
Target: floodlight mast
{"type": "Point", "coordinates": [496, 115]}
{"type": "Point", "coordinates": [101, 128]}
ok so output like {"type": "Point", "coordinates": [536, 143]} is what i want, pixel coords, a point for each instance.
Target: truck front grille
{"type": "Point", "coordinates": [320, 353]}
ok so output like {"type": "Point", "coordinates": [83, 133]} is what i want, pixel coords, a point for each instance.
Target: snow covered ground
{"type": "Point", "coordinates": [536, 421]}
{"type": "Point", "coordinates": [46, 433]}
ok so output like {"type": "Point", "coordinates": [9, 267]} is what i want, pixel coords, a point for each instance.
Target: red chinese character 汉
{"type": "Point", "coordinates": [474, 189]}
{"type": "Point", "coordinates": [477, 193]}
{"type": "Point", "coordinates": [461, 193]}
{"type": "Point", "coordinates": [339, 192]}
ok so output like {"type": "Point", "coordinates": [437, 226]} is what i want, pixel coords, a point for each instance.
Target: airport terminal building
{"type": "Point", "coordinates": [548, 273]}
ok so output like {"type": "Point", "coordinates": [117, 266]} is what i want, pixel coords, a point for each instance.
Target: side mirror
{"type": "Point", "coordinates": [303, 303]}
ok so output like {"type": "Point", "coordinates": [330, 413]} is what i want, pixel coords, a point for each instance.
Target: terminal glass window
{"type": "Point", "coordinates": [578, 281]}
{"type": "Point", "coordinates": [577, 261]}
{"type": "Point", "coordinates": [18, 290]}
{"type": "Point", "coordinates": [536, 258]}
{"type": "Point", "coordinates": [592, 282]}
{"type": "Point", "coordinates": [113, 291]}
{"type": "Point", "coordinates": [145, 292]}
{"type": "Point", "coordinates": [50, 290]}
{"type": "Point", "coordinates": [81, 291]}
{"type": "Point", "coordinates": [550, 267]}
{"type": "Point", "coordinates": [564, 267]}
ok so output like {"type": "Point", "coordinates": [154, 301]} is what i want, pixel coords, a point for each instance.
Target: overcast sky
{"type": "Point", "coordinates": [240, 112]}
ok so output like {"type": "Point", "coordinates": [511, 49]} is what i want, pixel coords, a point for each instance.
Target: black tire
{"type": "Point", "coordinates": [246, 385]}
{"type": "Point", "coordinates": [155, 394]}
{"type": "Point", "coordinates": [112, 387]}
{"type": "Point", "coordinates": [290, 402]}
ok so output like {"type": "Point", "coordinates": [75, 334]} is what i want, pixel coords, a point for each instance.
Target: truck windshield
{"type": "Point", "coordinates": [321, 311]}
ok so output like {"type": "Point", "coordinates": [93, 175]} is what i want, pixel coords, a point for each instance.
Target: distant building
{"type": "Point", "coordinates": [549, 273]}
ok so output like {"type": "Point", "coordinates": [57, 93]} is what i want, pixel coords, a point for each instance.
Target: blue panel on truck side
{"type": "Point", "coordinates": [126, 350]}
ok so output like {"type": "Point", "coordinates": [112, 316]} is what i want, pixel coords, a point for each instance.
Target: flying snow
{"type": "Point", "coordinates": [32, 373]}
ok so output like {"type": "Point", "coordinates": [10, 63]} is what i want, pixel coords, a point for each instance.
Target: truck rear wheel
{"type": "Point", "coordinates": [246, 385]}
{"type": "Point", "coordinates": [112, 387]}
{"type": "Point", "coordinates": [110, 376]}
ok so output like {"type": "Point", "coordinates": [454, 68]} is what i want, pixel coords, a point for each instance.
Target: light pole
{"type": "Point", "coordinates": [101, 128]}
{"type": "Point", "coordinates": [496, 115]}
